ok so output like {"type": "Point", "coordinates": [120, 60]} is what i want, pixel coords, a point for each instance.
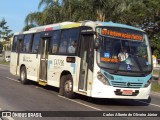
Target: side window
{"type": "Point", "coordinates": [14, 43]}
{"type": "Point", "coordinates": [69, 40]}
{"type": "Point", "coordinates": [73, 40]}
{"type": "Point", "coordinates": [54, 42]}
{"type": "Point", "coordinates": [64, 42]}
{"type": "Point", "coordinates": [36, 41]}
{"type": "Point", "coordinates": [26, 43]}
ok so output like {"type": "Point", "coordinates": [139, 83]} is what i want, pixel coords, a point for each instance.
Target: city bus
{"type": "Point", "coordinates": [85, 58]}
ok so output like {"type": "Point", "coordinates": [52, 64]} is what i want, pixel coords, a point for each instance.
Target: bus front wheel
{"type": "Point", "coordinates": [66, 87]}
{"type": "Point", "coordinates": [23, 75]}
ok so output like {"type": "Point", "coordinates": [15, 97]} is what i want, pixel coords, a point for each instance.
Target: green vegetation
{"type": "Point", "coordinates": [139, 13]}
{"type": "Point", "coordinates": [4, 63]}
{"type": "Point", "coordinates": [5, 32]}
{"type": "Point", "coordinates": [5, 35]}
{"type": "Point", "coordinates": [155, 87]}
{"type": "Point", "coordinates": [155, 72]}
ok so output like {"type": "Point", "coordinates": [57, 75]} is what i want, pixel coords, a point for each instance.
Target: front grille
{"type": "Point", "coordinates": [126, 84]}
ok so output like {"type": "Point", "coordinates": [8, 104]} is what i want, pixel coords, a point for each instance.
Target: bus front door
{"type": "Point", "coordinates": [86, 61]}
{"type": "Point", "coordinates": [43, 60]}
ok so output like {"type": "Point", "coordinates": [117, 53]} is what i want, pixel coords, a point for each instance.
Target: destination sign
{"type": "Point", "coordinates": [114, 60]}
{"type": "Point", "coordinates": [120, 34]}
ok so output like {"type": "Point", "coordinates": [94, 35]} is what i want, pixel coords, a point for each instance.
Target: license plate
{"type": "Point", "coordinates": [127, 92]}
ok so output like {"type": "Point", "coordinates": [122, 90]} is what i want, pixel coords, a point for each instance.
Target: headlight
{"type": "Point", "coordinates": [102, 78]}
{"type": "Point", "coordinates": [148, 82]}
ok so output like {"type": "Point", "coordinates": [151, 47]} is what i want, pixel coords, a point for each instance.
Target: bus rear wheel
{"type": "Point", "coordinates": [23, 75]}
{"type": "Point", "coordinates": [66, 87]}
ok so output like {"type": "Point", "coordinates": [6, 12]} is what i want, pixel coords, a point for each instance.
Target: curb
{"type": "Point", "coordinates": [155, 93]}
{"type": "Point", "coordinates": [4, 65]}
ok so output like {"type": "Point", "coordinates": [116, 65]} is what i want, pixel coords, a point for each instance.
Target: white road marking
{"type": "Point", "coordinates": [12, 79]}
{"type": "Point", "coordinates": [80, 103]}
{"type": "Point", "coordinates": [148, 103]}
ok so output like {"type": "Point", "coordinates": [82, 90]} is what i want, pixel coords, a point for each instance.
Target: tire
{"type": "Point", "coordinates": [66, 86]}
{"type": "Point", "coordinates": [23, 75]}
{"type": "Point", "coordinates": [148, 100]}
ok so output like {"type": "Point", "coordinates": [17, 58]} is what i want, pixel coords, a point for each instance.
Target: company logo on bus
{"type": "Point", "coordinates": [128, 84]}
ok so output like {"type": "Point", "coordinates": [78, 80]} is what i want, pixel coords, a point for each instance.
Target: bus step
{"type": "Point", "coordinates": [84, 91]}
{"type": "Point", "coordinates": [43, 83]}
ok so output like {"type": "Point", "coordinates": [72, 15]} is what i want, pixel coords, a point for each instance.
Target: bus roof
{"type": "Point", "coordinates": [111, 24]}
{"type": "Point", "coordinates": [56, 26]}
{"type": "Point", "coordinates": [64, 25]}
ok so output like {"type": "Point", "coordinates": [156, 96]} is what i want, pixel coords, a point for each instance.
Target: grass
{"type": "Point", "coordinates": [155, 72]}
{"type": "Point", "coordinates": [155, 87]}
{"type": "Point", "coordinates": [4, 63]}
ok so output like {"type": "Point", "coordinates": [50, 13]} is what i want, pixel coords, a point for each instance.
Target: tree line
{"type": "Point", "coordinates": [144, 14]}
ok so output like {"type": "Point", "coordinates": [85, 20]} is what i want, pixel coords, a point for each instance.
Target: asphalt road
{"type": "Point", "coordinates": [17, 97]}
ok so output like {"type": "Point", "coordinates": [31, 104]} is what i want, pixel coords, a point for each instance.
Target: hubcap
{"type": "Point", "coordinates": [68, 86]}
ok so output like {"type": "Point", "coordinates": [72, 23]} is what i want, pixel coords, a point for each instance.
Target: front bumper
{"type": "Point", "coordinates": [99, 90]}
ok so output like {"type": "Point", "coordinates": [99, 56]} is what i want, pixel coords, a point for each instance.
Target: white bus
{"type": "Point", "coordinates": [85, 58]}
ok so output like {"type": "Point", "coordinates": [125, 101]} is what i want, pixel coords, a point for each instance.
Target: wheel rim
{"type": "Point", "coordinates": [68, 86]}
{"type": "Point", "coordinates": [22, 75]}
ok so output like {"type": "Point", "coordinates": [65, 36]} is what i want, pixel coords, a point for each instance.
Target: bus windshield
{"type": "Point", "coordinates": [124, 51]}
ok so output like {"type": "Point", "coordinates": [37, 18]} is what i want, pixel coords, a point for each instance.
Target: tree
{"type": "Point", "coordinates": [145, 15]}
{"type": "Point", "coordinates": [49, 15]}
{"type": "Point", "coordinates": [5, 32]}
{"type": "Point", "coordinates": [27, 27]}
{"type": "Point", "coordinates": [1, 47]}
{"type": "Point", "coordinates": [142, 13]}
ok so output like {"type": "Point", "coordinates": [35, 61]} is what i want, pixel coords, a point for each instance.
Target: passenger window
{"type": "Point", "coordinates": [36, 41]}
{"type": "Point", "coordinates": [64, 42]}
{"type": "Point", "coordinates": [54, 42]}
{"type": "Point", "coordinates": [73, 37]}
{"type": "Point", "coordinates": [14, 44]}
{"type": "Point", "coordinates": [26, 43]}
{"type": "Point", "coordinates": [68, 43]}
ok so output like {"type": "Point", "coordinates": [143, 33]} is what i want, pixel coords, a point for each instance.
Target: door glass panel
{"type": "Point", "coordinates": [44, 59]}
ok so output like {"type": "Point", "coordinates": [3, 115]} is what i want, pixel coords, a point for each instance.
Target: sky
{"type": "Point", "coordinates": [15, 12]}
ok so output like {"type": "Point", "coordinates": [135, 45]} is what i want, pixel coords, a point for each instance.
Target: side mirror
{"type": "Point", "coordinates": [97, 42]}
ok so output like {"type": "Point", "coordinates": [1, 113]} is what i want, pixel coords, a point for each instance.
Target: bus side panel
{"type": "Point", "coordinates": [58, 64]}
{"type": "Point", "coordinates": [13, 63]}
{"type": "Point", "coordinates": [54, 71]}
{"type": "Point", "coordinates": [31, 63]}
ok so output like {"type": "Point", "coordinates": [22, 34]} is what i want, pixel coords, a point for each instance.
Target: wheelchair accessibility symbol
{"type": "Point", "coordinates": [128, 67]}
